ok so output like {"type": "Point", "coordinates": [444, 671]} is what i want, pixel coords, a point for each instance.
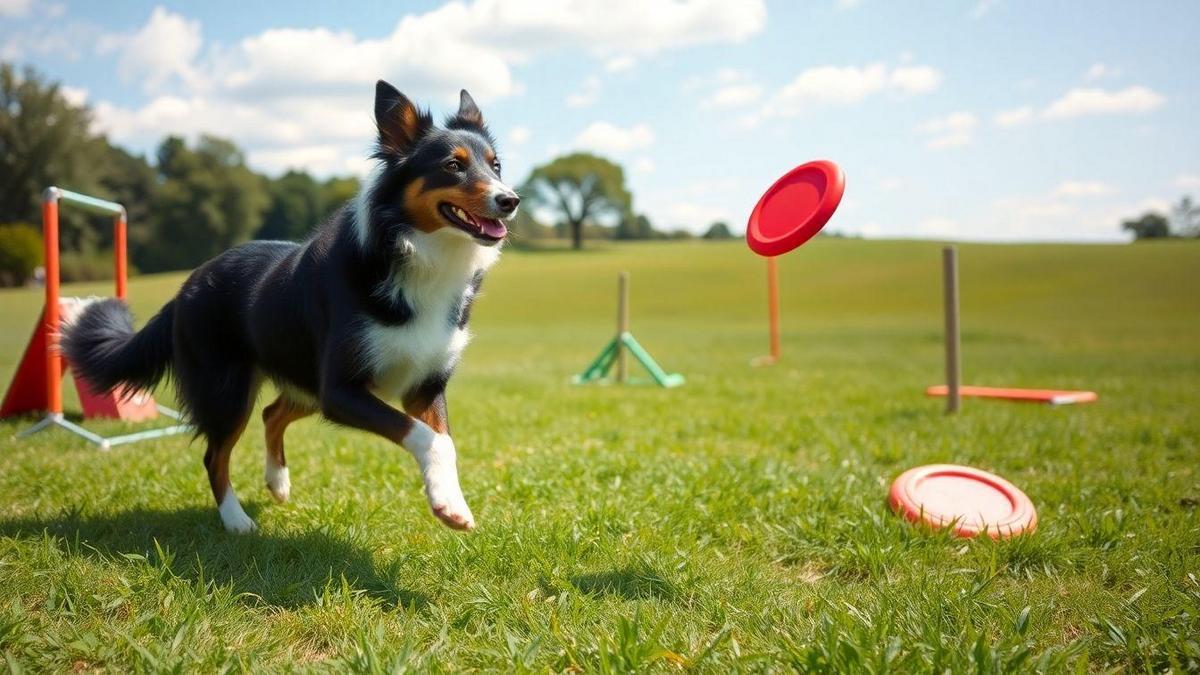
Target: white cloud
{"type": "Point", "coordinates": [1099, 71]}
{"type": "Point", "coordinates": [643, 165]}
{"type": "Point", "coordinates": [834, 84]}
{"type": "Point", "coordinates": [76, 96]}
{"type": "Point", "coordinates": [951, 131]}
{"type": "Point", "coordinates": [608, 139]}
{"type": "Point", "coordinates": [620, 64]}
{"type": "Point", "coordinates": [735, 95]}
{"type": "Point", "coordinates": [292, 94]}
{"type": "Point", "coordinates": [164, 47]}
{"type": "Point", "coordinates": [691, 216]}
{"type": "Point", "coordinates": [15, 7]}
{"type": "Point", "coordinates": [846, 85]}
{"type": "Point", "coordinates": [916, 79]}
{"type": "Point", "coordinates": [1187, 181]}
{"type": "Point", "coordinates": [1082, 101]}
{"type": "Point", "coordinates": [1014, 117]}
{"type": "Point", "coordinates": [585, 96]}
{"type": "Point", "coordinates": [1084, 188]}
{"type": "Point", "coordinates": [518, 135]}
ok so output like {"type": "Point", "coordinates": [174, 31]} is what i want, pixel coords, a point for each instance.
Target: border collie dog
{"type": "Point", "coordinates": [374, 305]}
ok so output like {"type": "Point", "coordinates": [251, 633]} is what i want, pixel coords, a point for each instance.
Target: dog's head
{"type": "Point", "coordinates": [439, 180]}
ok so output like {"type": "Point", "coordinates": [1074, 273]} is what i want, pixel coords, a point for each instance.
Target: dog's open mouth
{"type": "Point", "coordinates": [487, 229]}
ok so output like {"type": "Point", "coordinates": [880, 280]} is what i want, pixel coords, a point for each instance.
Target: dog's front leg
{"type": "Point", "coordinates": [357, 407]}
{"type": "Point", "coordinates": [427, 405]}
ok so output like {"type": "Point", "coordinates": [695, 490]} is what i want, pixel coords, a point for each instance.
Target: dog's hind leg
{"type": "Point", "coordinates": [222, 417]}
{"type": "Point", "coordinates": [276, 418]}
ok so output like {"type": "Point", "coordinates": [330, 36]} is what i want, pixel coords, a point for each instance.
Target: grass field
{"type": "Point", "coordinates": [738, 522]}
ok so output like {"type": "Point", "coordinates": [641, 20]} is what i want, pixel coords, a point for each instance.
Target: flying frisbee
{"type": "Point", "coordinates": [795, 208]}
{"type": "Point", "coordinates": [967, 499]}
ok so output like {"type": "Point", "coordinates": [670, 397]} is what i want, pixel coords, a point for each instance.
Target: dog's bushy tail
{"type": "Point", "coordinates": [102, 346]}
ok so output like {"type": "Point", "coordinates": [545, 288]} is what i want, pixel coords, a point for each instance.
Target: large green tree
{"type": "Point", "coordinates": [336, 191]}
{"type": "Point", "coordinates": [207, 201]}
{"type": "Point", "coordinates": [1186, 217]}
{"type": "Point", "coordinates": [1150, 225]}
{"type": "Point", "coordinates": [44, 141]}
{"type": "Point", "coordinates": [297, 206]}
{"type": "Point", "coordinates": [580, 188]}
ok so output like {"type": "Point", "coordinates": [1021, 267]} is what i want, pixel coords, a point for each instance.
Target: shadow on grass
{"type": "Point", "coordinates": [637, 582]}
{"type": "Point", "coordinates": [284, 570]}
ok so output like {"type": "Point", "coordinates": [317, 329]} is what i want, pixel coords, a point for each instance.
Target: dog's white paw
{"type": "Point", "coordinates": [279, 483]}
{"type": "Point", "coordinates": [439, 468]}
{"type": "Point", "coordinates": [450, 507]}
{"type": "Point", "coordinates": [232, 515]}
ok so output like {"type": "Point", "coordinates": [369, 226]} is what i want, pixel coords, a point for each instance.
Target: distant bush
{"type": "Point", "coordinates": [718, 230]}
{"type": "Point", "coordinates": [87, 266]}
{"type": "Point", "coordinates": [20, 253]}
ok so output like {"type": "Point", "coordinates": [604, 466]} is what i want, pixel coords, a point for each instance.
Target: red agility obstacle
{"type": "Point", "coordinates": [37, 385]}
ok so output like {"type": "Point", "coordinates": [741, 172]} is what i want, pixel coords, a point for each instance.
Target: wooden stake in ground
{"type": "Point", "coordinates": [950, 300]}
{"type": "Point", "coordinates": [622, 321]}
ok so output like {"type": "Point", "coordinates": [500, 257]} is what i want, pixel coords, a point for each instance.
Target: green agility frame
{"type": "Point", "coordinates": [598, 370]}
{"type": "Point", "coordinates": [613, 353]}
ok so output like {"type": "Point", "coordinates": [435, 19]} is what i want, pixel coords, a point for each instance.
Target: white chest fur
{"type": "Point", "coordinates": [436, 283]}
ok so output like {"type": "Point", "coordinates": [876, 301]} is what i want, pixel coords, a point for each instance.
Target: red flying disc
{"type": "Point", "coordinates": [967, 499]}
{"type": "Point", "coordinates": [795, 208]}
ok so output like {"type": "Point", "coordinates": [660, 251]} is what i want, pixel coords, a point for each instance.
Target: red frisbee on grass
{"type": "Point", "coordinates": [969, 500]}
{"type": "Point", "coordinates": [795, 208]}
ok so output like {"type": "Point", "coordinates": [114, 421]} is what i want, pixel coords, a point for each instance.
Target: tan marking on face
{"type": "Point", "coordinates": [460, 153]}
{"type": "Point", "coordinates": [423, 204]}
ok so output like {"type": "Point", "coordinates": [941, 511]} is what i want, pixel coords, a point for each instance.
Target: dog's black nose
{"type": "Point", "coordinates": [507, 202]}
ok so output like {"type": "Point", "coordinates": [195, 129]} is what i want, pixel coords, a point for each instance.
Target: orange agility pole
{"type": "Point", "coordinates": [1051, 396]}
{"type": "Point", "coordinates": [772, 314]}
{"type": "Point", "coordinates": [37, 385]}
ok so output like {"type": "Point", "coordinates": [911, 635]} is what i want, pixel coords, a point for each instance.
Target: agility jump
{"type": "Point", "coordinates": [37, 385]}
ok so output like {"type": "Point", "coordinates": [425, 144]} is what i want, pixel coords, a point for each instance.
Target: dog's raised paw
{"type": "Point", "coordinates": [279, 483]}
{"type": "Point", "coordinates": [457, 519]}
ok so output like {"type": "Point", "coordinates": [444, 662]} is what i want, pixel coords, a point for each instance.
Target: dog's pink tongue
{"type": "Point", "coordinates": [493, 228]}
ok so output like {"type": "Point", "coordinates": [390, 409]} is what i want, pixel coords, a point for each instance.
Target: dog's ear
{"type": "Point", "coordinates": [468, 112]}
{"type": "Point", "coordinates": [400, 123]}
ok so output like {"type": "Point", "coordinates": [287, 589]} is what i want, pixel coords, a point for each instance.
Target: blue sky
{"type": "Point", "coordinates": [978, 119]}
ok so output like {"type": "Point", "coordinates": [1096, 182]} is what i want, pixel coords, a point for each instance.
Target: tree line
{"type": "Point", "coordinates": [193, 200]}
{"type": "Point", "coordinates": [1182, 222]}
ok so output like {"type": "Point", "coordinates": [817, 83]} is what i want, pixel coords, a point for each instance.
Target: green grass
{"type": "Point", "coordinates": [738, 522]}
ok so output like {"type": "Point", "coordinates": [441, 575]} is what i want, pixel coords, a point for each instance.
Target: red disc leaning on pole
{"type": "Point", "coordinates": [971, 501]}
{"type": "Point", "coordinates": [795, 208]}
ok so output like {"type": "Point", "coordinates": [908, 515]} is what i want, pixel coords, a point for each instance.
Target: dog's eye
{"type": "Point", "coordinates": [496, 167]}
{"type": "Point", "coordinates": [454, 166]}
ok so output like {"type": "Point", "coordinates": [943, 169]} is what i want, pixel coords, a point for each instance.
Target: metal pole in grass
{"type": "Point", "coordinates": [622, 321]}
{"type": "Point", "coordinates": [950, 301]}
